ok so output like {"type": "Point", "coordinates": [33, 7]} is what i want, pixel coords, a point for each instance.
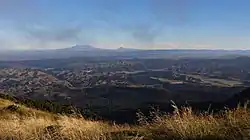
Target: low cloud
{"type": "Point", "coordinates": [162, 14]}
{"type": "Point", "coordinates": [146, 34]}
{"type": "Point", "coordinates": [41, 37]}
{"type": "Point", "coordinates": [48, 34]}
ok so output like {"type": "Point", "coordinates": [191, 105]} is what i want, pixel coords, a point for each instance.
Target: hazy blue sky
{"type": "Point", "coordinates": [168, 24]}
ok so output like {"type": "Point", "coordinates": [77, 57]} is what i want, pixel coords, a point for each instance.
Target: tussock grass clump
{"type": "Point", "coordinates": [64, 127]}
{"type": "Point", "coordinates": [183, 124]}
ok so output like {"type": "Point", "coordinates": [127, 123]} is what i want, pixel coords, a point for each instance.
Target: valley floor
{"type": "Point", "coordinates": [22, 123]}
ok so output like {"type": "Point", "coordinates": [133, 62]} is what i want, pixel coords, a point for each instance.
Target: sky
{"type": "Point", "coordinates": [142, 24]}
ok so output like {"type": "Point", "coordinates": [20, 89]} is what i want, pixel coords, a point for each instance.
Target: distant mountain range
{"type": "Point", "coordinates": [81, 48]}
{"type": "Point", "coordinates": [92, 48]}
{"type": "Point", "coordinates": [91, 51]}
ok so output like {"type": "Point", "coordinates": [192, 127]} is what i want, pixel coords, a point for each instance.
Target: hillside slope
{"type": "Point", "coordinates": [21, 123]}
{"type": "Point", "coordinates": [239, 98]}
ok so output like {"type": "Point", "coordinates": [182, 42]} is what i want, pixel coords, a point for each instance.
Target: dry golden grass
{"type": "Point", "coordinates": [183, 124]}
{"type": "Point", "coordinates": [30, 124]}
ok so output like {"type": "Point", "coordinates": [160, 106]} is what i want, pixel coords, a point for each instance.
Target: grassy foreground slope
{"type": "Point", "coordinates": [22, 123]}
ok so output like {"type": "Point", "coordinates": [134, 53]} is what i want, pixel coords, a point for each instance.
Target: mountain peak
{"type": "Point", "coordinates": [125, 49]}
{"type": "Point", "coordinates": [82, 46]}
{"type": "Point", "coordinates": [120, 48]}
